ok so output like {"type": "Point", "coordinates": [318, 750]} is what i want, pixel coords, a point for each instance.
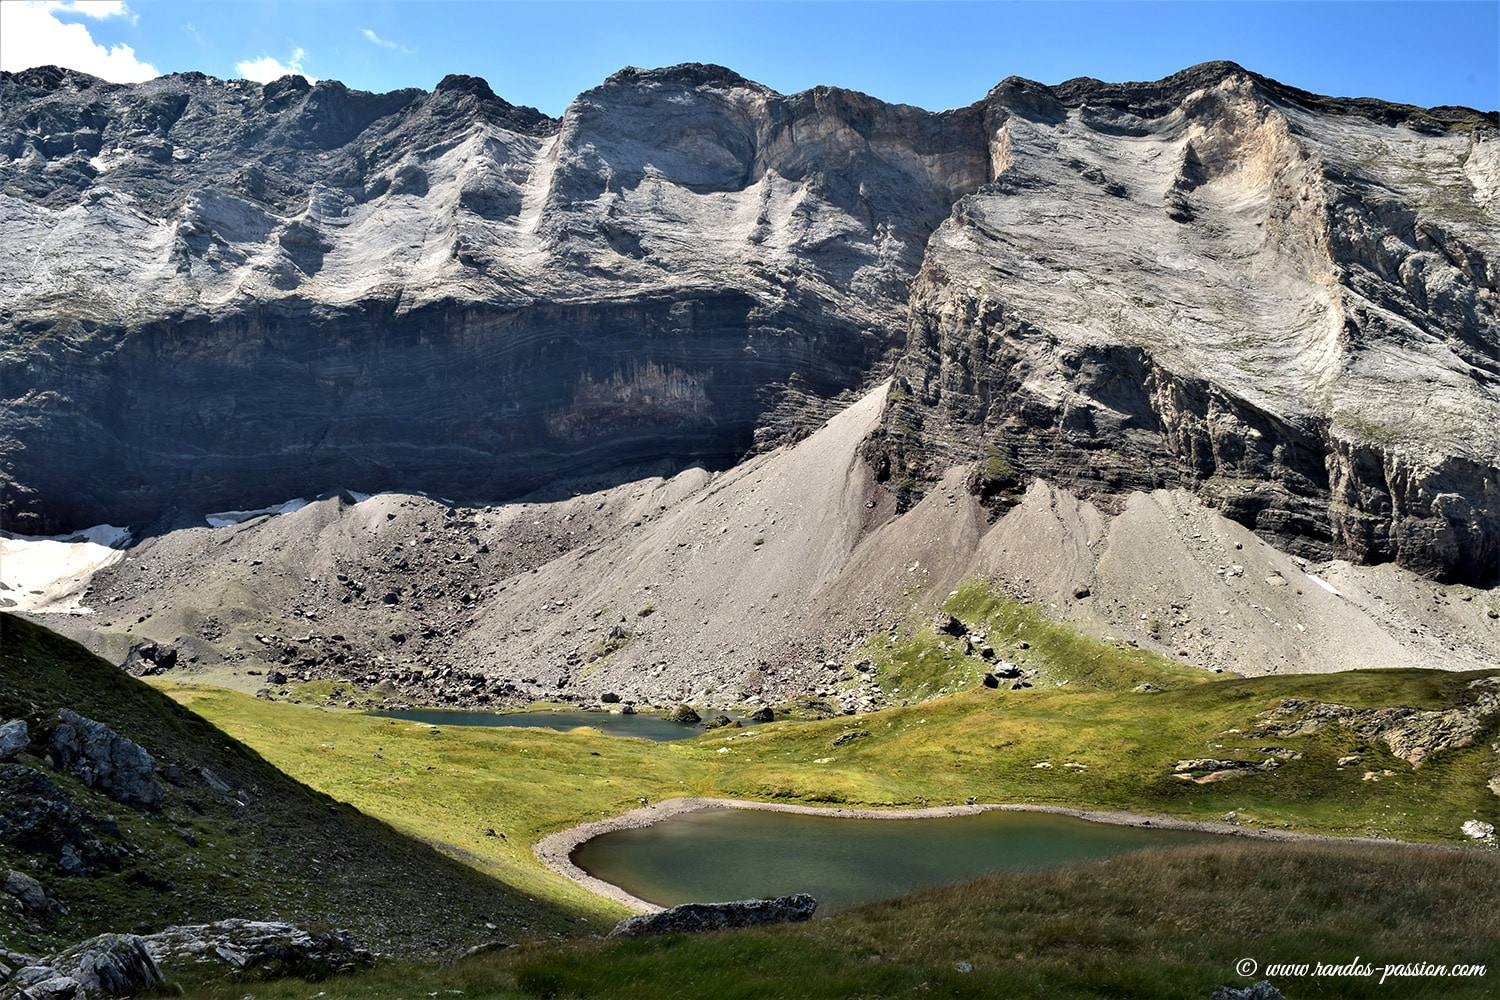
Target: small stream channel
{"type": "Point", "coordinates": [724, 854]}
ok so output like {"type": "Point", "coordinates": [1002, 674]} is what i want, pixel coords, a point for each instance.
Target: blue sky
{"type": "Point", "coordinates": [933, 54]}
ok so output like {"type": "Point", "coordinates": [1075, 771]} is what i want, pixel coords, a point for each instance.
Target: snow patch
{"type": "Point", "coordinates": [1325, 585]}
{"type": "Point", "coordinates": [225, 518]}
{"type": "Point", "coordinates": [51, 573]}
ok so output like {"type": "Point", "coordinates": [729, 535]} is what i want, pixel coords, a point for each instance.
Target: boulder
{"type": "Point", "coordinates": [946, 624]}
{"type": "Point", "coordinates": [1207, 770]}
{"type": "Point", "coordinates": [27, 890]}
{"type": "Point", "coordinates": [762, 714]}
{"type": "Point", "coordinates": [41, 983]}
{"type": "Point", "coordinates": [106, 761]}
{"type": "Point", "coordinates": [116, 965]}
{"type": "Point", "coordinates": [13, 739]}
{"type": "Point", "coordinates": [692, 918]}
{"type": "Point", "coordinates": [148, 658]}
{"type": "Point", "coordinates": [849, 737]}
{"type": "Point", "coordinates": [685, 715]}
{"type": "Point", "coordinates": [1478, 829]}
{"type": "Point", "coordinates": [1262, 990]}
{"type": "Point", "coordinates": [260, 949]}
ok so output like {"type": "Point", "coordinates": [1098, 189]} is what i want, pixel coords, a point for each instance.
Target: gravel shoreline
{"type": "Point", "coordinates": [556, 850]}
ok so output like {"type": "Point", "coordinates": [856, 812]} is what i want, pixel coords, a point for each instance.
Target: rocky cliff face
{"type": "Point", "coordinates": [221, 295]}
{"type": "Point", "coordinates": [1283, 304]}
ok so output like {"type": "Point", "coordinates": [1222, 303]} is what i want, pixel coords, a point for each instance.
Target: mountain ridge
{"type": "Point", "coordinates": [690, 268]}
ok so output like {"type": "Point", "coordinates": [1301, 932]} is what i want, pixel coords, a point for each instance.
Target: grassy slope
{"type": "Point", "coordinates": [454, 785]}
{"type": "Point", "coordinates": [1147, 926]}
{"type": "Point", "coordinates": [1156, 925]}
{"type": "Point", "coordinates": [288, 852]}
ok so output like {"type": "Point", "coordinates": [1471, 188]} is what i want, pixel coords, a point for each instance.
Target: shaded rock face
{"type": "Point", "coordinates": [691, 918]}
{"type": "Point", "coordinates": [440, 291]}
{"type": "Point", "coordinates": [40, 819]}
{"type": "Point", "coordinates": [1212, 283]}
{"type": "Point", "coordinates": [116, 965]}
{"type": "Point", "coordinates": [1282, 302]}
{"type": "Point", "coordinates": [107, 761]}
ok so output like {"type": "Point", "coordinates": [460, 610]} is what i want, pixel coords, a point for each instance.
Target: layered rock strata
{"type": "Point", "coordinates": [221, 295]}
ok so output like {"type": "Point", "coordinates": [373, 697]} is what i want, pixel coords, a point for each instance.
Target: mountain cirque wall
{"type": "Point", "coordinates": [1283, 303]}
{"type": "Point", "coordinates": [224, 295]}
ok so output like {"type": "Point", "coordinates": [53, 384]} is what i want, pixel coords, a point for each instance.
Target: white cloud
{"type": "Point", "coordinates": [268, 68]}
{"type": "Point", "coordinates": [375, 39]}
{"type": "Point", "coordinates": [31, 35]}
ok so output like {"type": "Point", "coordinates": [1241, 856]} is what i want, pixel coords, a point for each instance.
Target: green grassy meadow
{"type": "Point", "coordinates": [1157, 924]}
{"type": "Point", "coordinates": [452, 785]}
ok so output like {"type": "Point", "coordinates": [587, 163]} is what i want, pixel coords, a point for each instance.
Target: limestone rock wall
{"type": "Point", "coordinates": [220, 295]}
{"type": "Point", "coordinates": [1213, 283]}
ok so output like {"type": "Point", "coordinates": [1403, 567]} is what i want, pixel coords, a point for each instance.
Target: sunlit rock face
{"type": "Point", "coordinates": [220, 295]}
{"type": "Point", "coordinates": [1284, 303]}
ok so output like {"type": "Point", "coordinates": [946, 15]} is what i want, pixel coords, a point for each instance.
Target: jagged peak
{"type": "Point", "coordinates": [1159, 97]}
{"type": "Point", "coordinates": [462, 83]}
{"type": "Point", "coordinates": [48, 78]}
{"type": "Point", "coordinates": [691, 74]}
{"type": "Point", "coordinates": [460, 87]}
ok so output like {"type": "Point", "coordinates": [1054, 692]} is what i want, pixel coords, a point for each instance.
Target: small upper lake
{"type": "Point", "coordinates": [651, 727]}
{"type": "Point", "coordinates": [725, 854]}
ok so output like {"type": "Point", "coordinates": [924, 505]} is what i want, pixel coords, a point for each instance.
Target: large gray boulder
{"type": "Point", "coordinates": [43, 983]}
{"type": "Point", "coordinates": [691, 918]}
{"type": "Point", "coordinates": [13, 739]}
{"type": "Point", "coordinates": [25, 889]}
{"type": "Point", "coordinates": [116, 965]}
{"type": "Point", "coordinates": [106, 761]}
{"type": "Point", "coordinates": [260, 949]}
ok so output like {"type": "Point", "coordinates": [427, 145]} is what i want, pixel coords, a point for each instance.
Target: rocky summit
{"type": "Point", "coordinates": [700, 381]}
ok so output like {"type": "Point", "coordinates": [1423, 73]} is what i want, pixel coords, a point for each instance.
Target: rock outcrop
{"type": "Point", "coordinates": [114, 965]}
{"type": "Point", "coordinates": [693, 918]}
{"type": "Point", "coordinates": [106, 761]}
{"type": "Point", "coordinates": [1412, 734]}
{"type": "Point", "coordinates": [259, 949]}
{"type": "Point", "coordinates": [41, 820]}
